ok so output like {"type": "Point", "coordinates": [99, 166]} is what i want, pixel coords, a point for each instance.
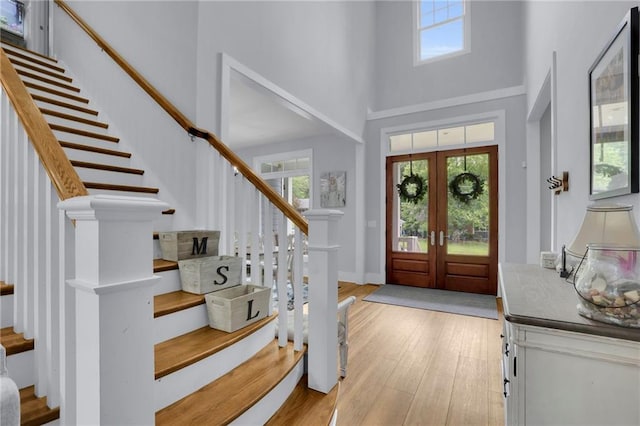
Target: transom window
{"type": "Point", "coordinates": [428, 139]}
{"type": "Point", "coordinates": [442, 29]}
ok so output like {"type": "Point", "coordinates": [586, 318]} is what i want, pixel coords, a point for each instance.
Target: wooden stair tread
{"type": "Point", "coordinates": [14, 52]}
{"type": "Point", "coordinates": [36, 68]}
{"type": "Point", "coordinates": [75, 118]}
{"type": "Point", "coordinates": [225, 399]}
{"type": "Point", "coordinates": [306, 406]}
{"type": "Point", "coordinates": [169, 211]}
{"type": "Point", "coordinates": [168, 303]}
{"type": "Point", "coordinates": [5, 289]}
{"type": "Point", "coordinates": [184, 350]}
{"type": "Point", "coordinates": [55, 92]}
{"type": "Point", "coordinates": [81, 147]}
{"type": "Point", "coordinates": [47, 80]}
{"type": "Point", "coordinates": [13, 342]}
{"type": "Point", "coordinates": [126, 188]}
{"type": "Point", "coordinates": [56, 102]}
{"type": "Point", "coordinates": [106, 167]}
{"type": "Point", "coordinates": [161, 265]}
{"type": "Point", "coordinates": [86, 133]}
{"type": "Point", "coordinates": [33, 410]}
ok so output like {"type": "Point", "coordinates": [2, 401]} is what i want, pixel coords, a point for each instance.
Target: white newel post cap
{"type": "Point", "coordinates": [112, 208]}
{"type": "Point", "coordinates": [322, 229]}
{"type": "Point", "coordinates": [115, 234]}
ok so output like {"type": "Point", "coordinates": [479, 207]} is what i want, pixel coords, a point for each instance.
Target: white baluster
{"type": "Point", "coordinates": [282, 280]}
{"type": "Point", "coordinates": [268, 248]}
{"type": "Point", "coordinates": [230, 211]}
{"type": "Point", "coordinates": [241, 225]}
{"type": "Point", "coordinates": [15, 219]}
{"type": "Point", "coordinates": [26, 238]}
{"type": "Point", "coordinates": [53, 287]}
{"type": "Point", "coordinates": [298, 301]}
{"type": "Point", "coordinates": [4, 179]}
{"type": "Point", "coordinates": [38, 241]}
{"type": "Point", "coordinates": [254, 209]}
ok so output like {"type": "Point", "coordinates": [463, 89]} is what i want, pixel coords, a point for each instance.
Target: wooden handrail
{"type": "Point", "coordinates": [188, 126]}
{"type": "Point", "coordinates": [53, 158]}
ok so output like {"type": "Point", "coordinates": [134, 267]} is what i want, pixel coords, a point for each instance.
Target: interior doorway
{"type": "Point", "coordinates": [447, 237]}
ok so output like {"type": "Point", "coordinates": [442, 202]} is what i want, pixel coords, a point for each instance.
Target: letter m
{"type": "Point", "coordinates": [199, 248]}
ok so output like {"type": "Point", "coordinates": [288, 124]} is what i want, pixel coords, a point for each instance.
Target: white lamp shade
{"type": "Point", "coordinates": [606, 225]}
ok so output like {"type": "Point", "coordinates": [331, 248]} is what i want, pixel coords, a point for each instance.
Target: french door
{"type": "Point", "coordinates": [447, 236]}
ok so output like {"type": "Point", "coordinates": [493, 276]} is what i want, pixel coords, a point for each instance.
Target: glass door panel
{"type": "Point", "coordinates": [411, 218]}
{"type": "Point", "coordinates": [468, 205]}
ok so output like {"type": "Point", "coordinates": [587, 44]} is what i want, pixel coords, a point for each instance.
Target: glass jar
{"type": "Point", "coordinates": [608, 285]}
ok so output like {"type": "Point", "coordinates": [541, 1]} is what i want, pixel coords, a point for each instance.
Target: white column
{"type": "Point", "coordinates": [323, 298]}
{"type": "Point", "coordinates": [114, 307]}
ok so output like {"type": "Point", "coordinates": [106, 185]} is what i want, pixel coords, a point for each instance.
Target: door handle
{"type": "Point", "coordinates": [441, 238]}
{"type": "Point", "coordinates": [433, 238]}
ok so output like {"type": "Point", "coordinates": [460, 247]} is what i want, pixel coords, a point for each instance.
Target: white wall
{"type": "Point", "coordinates": [167, 59]}
{"type": "Point", "coordinates": [318, 51]}
{"type": "Point", "coordinates": [577, 31]}
{"type": "Point", "coordinates": [495, 60]}
{"type": "Point", "coordinates": [330, 154]}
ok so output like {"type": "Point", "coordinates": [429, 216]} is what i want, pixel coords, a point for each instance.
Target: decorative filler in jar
{"type": "Point", "coordinates": [608, 285]}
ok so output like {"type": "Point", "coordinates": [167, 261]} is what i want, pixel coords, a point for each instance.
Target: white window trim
{"type": "Point", "coordinates": [416, 36]}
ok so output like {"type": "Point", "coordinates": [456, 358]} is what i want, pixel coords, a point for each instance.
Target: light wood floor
{"type": "Point", "coordinates": [416, 367]}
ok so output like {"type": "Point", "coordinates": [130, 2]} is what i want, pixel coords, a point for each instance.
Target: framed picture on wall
{"type": "Point", "coordinates": [613, 98]}
{"type": "Point", "coordinates": [333, 189]}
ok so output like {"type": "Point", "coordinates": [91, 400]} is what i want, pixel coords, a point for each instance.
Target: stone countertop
{"type": "Point", "coordinates": [532, 295]}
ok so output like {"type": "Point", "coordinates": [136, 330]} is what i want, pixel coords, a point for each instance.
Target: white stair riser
{"type": "Point", "coordinates": [20, 368]}
{"type": "Point", "coordinates": [58, 98]}
{"type": "Point", "coordinates": [6, 311]}
{"type": "Point", "coordinates": [85, 140]}
{"type": "Point", "coordinates": [262, 410]}
{"type": "Point", "coordinates": [164, 223]}
{"type": "Point", "coordinates": [115, 178]}
{"type": "Point", "coordinates": [94, 157]}
{"type": "Point", "coordinates": [65, 110]}
{"type": "Point", "coordinates": [61, 76]}
{"type": "Point", "coordinates": [170, 279]}
{"type": "Point", "coordinates": [52, 86]}
{"type": "Point", "coordinates": [173, 325]}
{"type": "Point", "coordinates": [177, 385]}
{"type": "Point", "coordinates": [52, 119]}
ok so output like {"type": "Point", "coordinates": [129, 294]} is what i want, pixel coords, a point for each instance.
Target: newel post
{"type": "Point", "coordinates": [323, 298]}
{"type": "Point", "coordinates": [114, 307]}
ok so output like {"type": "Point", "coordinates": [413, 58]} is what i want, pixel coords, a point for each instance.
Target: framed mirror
{"type": "Point", "coordinates": [613, 97]}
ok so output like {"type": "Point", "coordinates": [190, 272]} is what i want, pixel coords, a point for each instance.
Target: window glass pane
{"type": "Point", "coordinates": [411, 220]}
{"type": "Point", "coordinates": [451, 136]}
{"type": "Point", "coordinates": [303, 163]}
{"type": "Point", "coordinates": [482, 132]}
{"type": "Point", "coordinates": [265, 168]}
{"type": "Point", "coordinates": [441, 15]}
{"type": "Point", "coordinates": [468, 221]}
{"type": "Point", "coordinates": [425, 139]}
{"type": "Point", "coordinates": [290, 165]}
{"type": "Point", "coordinates": [442, 39]}
{"type": "Point", "coordinates": [426, 13]}
{"type": "Point", "coordinates": [456, 8]}
{"type": "Point", "coordinates": [277, 166]}
{"type": "Point", "coordinates": [11, 16]}
{"type": "Point", "coordinates": [400, 142]}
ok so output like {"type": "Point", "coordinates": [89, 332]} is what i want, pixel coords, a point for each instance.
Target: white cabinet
{"type": "Point", "coordinates": [560, 368]}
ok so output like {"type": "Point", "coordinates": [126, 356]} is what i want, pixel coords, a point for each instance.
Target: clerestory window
{"type": "Point", "coordinates": [442, 29]}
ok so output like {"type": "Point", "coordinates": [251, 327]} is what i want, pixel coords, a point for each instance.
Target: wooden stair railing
{"type": "Point", "coordinates": [53, 158]}
{"type": "Point", "coordinates": [281, 204]}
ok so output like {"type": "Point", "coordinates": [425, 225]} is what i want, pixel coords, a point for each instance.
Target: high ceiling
{"type": "Point", "coordinates": [259, 117]}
